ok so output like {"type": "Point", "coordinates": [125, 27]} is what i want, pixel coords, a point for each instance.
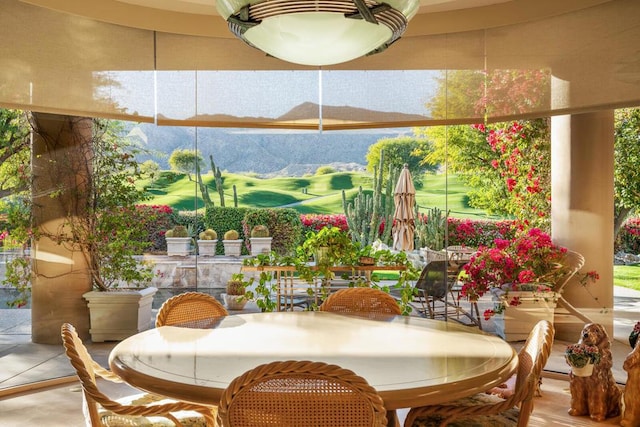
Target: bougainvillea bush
{"type": "Point", "coordinates": [316, 222]}
{"type": "Point", "coordinates": [628, 238]}
{"type": "Point", "coordinates": [476, 233]}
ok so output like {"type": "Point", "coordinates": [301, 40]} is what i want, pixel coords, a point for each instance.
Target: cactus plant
{"type": "Point", "coordinates": [180, 231]}
{"type": "Point", "coordinates": [208, 234]}
{"type": "Point", "coordinates": [260, 231]}
{"type": "Point", "coordinates": [236, 286]}
{"type": "Point", "coordinates": [231, 235]}
{"type": "Point", "coordinates": [169, 233]}
{"type": "Point", "coordinates": [366, 214]}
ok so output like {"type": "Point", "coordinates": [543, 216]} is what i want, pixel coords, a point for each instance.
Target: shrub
{"type": "Point", "coordinates": [316, 222]}
{"type": "Point", "coordinates": [325, 170]}
{"type": "Point", "coordinates": [284, 227]}
{"type": "Point", "coordinates": [474, 233]}
{"type": "Point", "coordinates": [628, 238]}
{"type": "Point", "coordinates": [223, 219]}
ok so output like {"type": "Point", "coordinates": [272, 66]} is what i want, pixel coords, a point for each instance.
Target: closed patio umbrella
{"type": "Point", "coordinates": [404, 197]}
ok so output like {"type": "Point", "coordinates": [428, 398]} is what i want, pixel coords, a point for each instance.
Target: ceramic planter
{"type": "Point", "coordinates": [118, 314]}
{"type": "Point", "coordinates": [585, 371]}
{"type": "Point", "coordinates": [207, 247]}
{"type": "Point", "coordinates": [178, 246]}
{"type": "Point", "coordinates": [517, 321]}
{"type": "Point", "coordinates": [260, 245]}
{"type": "Point", "coordinates": [234, 302]}
{"type": "Point", "coordinates": [232, 247]}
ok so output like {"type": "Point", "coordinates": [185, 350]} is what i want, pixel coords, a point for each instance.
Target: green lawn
{"type": "Point", "coordinates": [627, 276]}
{"type": "Point", "coordinates": [312, 194]}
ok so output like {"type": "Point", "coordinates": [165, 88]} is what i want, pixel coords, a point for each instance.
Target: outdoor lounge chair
{"type": "Point", "coordinates": [437, 296]}
{"type": "Point", "coordinates": [300, 394]}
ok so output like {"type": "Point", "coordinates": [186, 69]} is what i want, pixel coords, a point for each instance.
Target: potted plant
{"type": "Point", "coordinates": [178, 241]}
{"type": "Point", "coordinates": [110, 232]}
{"type": "Point", "coordinates": [207, 242]}
{"type": "Point", "coordinates": [521, 274]}
{"type": "Point", "coordinates": [581, 358]}
{"type": "Point", "coordinates": [260, 240]}
{"type": "Point", "coordinates": [232, 243]}
{"type": "Point", "coordinates": [235, 297]}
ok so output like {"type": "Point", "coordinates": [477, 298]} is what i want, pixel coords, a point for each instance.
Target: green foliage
{"type": "Point", "coordinates": [627, 159]}
{"type": "Point", "coordinates": [284, 227]}
{"type": "Point", "coordinates": [397, 152]}
{"type": "Point", "coordinates": [325, 170]}
{"type": "Point", "coordinates": [185, 161]}
{"type": "Point", "coordinates": [223, 219]}
{"type": "Point", "coordinates": [15, 165]}
{"type": "Point", "coordinates": [628, 238]}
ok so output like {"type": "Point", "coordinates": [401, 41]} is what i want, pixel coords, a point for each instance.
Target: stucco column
{"type": "Point", "coordinates": [582, 212]}
{"type": "Point", "coordinates": [60, 274]}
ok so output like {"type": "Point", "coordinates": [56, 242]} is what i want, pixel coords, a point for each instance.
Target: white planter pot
{"type": "Point", "coordinates": [516, 322]}
{"type": "Point", "coordinates": [232, 247]}
{"type": "Point", "coordinates": [178, 246]}
{"type": "Point", "coordinates": [118, 314]}
{"type": "Point", "coordinates": [207, 247]}
{"type": "Point", "coordinates": [234, 302]}
{"type": "Point", "coordinates": [260, 245]}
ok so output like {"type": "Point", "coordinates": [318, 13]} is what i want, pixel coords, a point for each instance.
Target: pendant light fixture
{"type": "Point", "coordinates": [318, 32]}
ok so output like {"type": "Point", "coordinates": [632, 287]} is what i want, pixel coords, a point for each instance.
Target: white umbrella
{"type": "Point", "coordinates": [404, 217]}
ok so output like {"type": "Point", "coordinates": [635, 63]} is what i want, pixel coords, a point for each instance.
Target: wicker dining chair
{"type": "Point", "coordinates": [191, 309]}
{"type": "Point", "coordinates": [138, 410]}
{"type": "Point", "coordinates": [363, 302]}
{"type": "Point", "coordinates": [490, 410]}
{"type": "Point", "coordinates": [300, 394]}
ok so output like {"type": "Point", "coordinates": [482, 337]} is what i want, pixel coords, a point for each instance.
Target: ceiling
{"type": "Point", "coordinates": [199, 17]}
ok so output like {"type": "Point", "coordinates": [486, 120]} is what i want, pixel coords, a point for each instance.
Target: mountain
{"type": "Point", "coordinates": [265, 152]}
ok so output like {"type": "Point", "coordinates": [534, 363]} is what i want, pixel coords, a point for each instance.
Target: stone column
{"type": "Point", "coordinates": [60, 175]}
{"type": "Point", "coordinates": [582, 211]}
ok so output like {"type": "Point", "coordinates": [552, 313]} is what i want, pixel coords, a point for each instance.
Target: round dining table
{"type": "Point", "coordinates": [409, 360]}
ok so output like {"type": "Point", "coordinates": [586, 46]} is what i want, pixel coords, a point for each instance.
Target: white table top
{"type": "Point", "coordinates": [410, 361]}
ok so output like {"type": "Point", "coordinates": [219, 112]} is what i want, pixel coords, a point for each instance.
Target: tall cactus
{"type": "Point", "coordinates": [217, 174]}
{"type": "Point", "coordinates": [203, 188]}
{"type": "Point", "coordinates": [368, 212]}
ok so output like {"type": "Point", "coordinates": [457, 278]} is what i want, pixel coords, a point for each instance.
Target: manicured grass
{"type": "Point", "coordinates": [309, 194]}
{"type": "Point", "coordinates": [627, 276]}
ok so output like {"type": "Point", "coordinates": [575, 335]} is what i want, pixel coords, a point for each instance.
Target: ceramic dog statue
{"type": "Point", "coordinates": [597, 395]}
{"type": "Point", "coordinates": [631, 414]}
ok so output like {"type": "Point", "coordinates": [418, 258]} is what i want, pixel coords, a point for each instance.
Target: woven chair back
{"type": "Point", "coordinates": [191, 309]}
{"type": "Point", "coordinates": [531, 360]}
{"type": "Point", "coordinates": [300, 394]}
{"type": "Point", "coordinates": [364, 302]}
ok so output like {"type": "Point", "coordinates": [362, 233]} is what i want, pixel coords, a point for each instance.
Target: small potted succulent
{"type": "Point", "coordinates": [260, 240]}
{"type": "Point", "coordinates": [207, 242]}
{"type": "Point", "coordinates": [232, 243]}
{"type": "Point", "coordinates": [178, 241]}
{"type": "Point", "coordinates": [235, 297]}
